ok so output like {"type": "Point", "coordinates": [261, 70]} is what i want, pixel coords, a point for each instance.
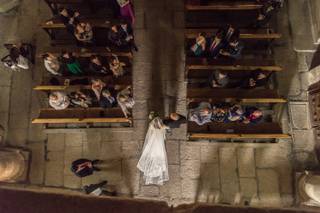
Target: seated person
{"type": "Point", "coordinates": [202, 114]}
{"type": "Point", "coordinates": [116, 66]}
{"type": "Point", "coordinates": [216, 44]}
{"type": "Point", "coordinates": [266, 12]}
{"type": "Point", "coordinates": [68, 17]}
{"type": "Point", "coordinates": [235, 113]}
{"type": "Point", "coordinates": [51, 64]}
{"type": "Point", "coordinates": [20, 55]}
{"type": "Point", "coordinates": [59, 100]}
{"type": "Point", "coordinates": [174, 120]}
{"type": "Point", "coordinates": [220, 113]}
{"type": "Point", "coordinates": [200, 45]}
{"type": "Point", "coordinates": [97, 86]}
{"type": "Point", "coordinates": [107, 99]}
{"type": "Point", "coordinates": [79, 98]}
{"type": "Point", "coordinates": [233, 49]}
{"type": "Point", "coordinates": [257, 78]}
{"type": "Point", "coordinates": [83, 33]}
{"type": "Point", "coordinates": [252, 115]}
{"type": "Point", "coordinates": [71, 62]}
{"type": "Point", "coordinates": [121, 36]}
{"type": "Point", "coordinates": [96, 66]}
{"type": "Point", "coordinates": [126, 101]}
{"type": "Point", "coordinates": [229, 32]}
{"type": "Point", "coordinates": [219, 79]}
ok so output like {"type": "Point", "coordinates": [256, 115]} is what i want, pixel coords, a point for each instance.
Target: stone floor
{"type": "Point", "coordinates": [257, 174]}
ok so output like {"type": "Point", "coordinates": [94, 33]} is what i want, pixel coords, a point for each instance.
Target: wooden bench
{"type": "Point", "coordinates": [225, 5]}
{"type": "Point", "coordinates": [256, 34]}
{"type": "Point", "coordinates": [57, 24]}
{"type": "Point", "coordinates": [80, 115]}
{"type": "Point", "coordinates": [102, 51]}
{"type": "Point", "coordinates": [234, 95]}
{"type": "Point", "coordinates": [197, 64]}
{"type": "Point", "coordinates": [120, 83]}
{"type": "Point", "coordinates": [83, 4]}
{"type": "Point", "coordinates": [235, 131]}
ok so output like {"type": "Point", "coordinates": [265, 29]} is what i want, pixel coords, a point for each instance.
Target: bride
{"type": "Point", "coordinates": [153, 161]}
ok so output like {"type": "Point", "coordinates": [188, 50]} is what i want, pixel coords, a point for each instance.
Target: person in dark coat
{"type": "Point", "coordinates": [97, 189]}
{"type": "Point", "coordinates": [174, 120]}
{"type": "Point", "coordinates": [107, 99]}
{"type": "Point", "coordinates": [122, 36]}
{"type": "Point", "coordinates": [96, 66]}
{"type": "Point", "coordinates": [216, 43]}
{"type": "Point", "coordinates": [69, 18]}
{"type": "Point", "coordinates": [84, 167]}
{"type": "Point", "coordinates": [257, 78]}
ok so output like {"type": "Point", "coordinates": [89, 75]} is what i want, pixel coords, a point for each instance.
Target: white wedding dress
{"type": "Point", "coordinates": [153, 161]}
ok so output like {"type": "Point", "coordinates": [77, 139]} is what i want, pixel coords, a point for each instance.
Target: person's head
{"type": "Point", "coordinates": [95, 59]}
{"type": "Point", "coordinates": [53, 96]}
{"type": "Point", "coordinates": [234, 40]}
{"type": "Point", "coordinates": [205, 111]}
{"type": "Point", "coordinates": [80, 28]}
{"type": "Point", "coordinates": [106, 93]}
{"type": "Point", "coordinates": [219, 34]}
{"type": "Point", "coordinates": [257, 113]}
{"type": "Point", "coordinates": [114, 28]}
{"type": "Point", "coordinates": [222, 74]}
{"type": "Point", "coordinates": [45, 56]}
{"type": "Point", "coordinates": [65, 54]}
{"type": "Point", "coordinates": [122, 98]}
{"type": "Point", "coordinates": [63, 11]}
{"type": "Point", "coordinates": [174, 116]}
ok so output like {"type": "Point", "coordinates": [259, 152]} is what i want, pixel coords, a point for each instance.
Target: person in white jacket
{"type": "Point", "coordinates": [51, 63]}
{"type": "Point", "coordinates": [59, 100]}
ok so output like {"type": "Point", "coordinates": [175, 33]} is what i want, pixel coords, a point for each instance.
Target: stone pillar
{"type": "Point", "coordinates": [315, 16]}
{"type": "Point", "coordinates": [12, 165]}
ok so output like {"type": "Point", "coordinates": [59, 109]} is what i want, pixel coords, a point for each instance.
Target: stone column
{"type": "Point", "coordinates": [315, 16]}
{"type": "Point", "coordinates": [12, 165]}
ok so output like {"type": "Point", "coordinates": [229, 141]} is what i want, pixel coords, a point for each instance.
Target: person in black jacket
{"type": "Point", "coordinates": [107, 99]}
{"type": "Point", "coordinates": [69, 18]}
{"type": "Point", "coordinates": [98, 190]}
{"type": "Point", "coordinates": [96, 66]}
{"type": "Point", "coordinates": [122, 36]}
{"type": "Point", "coordinates": [257, 78]}
{"type": "Point", "coordinates": [84, 167]}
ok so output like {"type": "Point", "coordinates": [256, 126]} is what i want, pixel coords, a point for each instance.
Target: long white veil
{"type": "Point", "coordinates": [153, 161]}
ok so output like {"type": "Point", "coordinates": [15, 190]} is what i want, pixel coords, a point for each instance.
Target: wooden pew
{"type": "Point", "coordinates": [57, 24]}
{"type": "Point", "coordinates": [234, 95]}
{"type": "Point", "coordinates": [80, 115]}
{"type": "Point", "coordinates": [225, 5]}
{"type": "Point", "coordinates": [235, 131]}
{"type": "Point", "coordinates": [119, 83]}
{"type": "Point", "coordinates": [256, 34]}
{"type": "Point", "coordinates": [102, 51]}
{"type": "Point", "coordinates": [91, 5]}
{"type": "Point", "coordinates": [197, 64]}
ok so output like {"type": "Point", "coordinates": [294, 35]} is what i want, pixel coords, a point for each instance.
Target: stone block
{"type": "Point", "coordinates": [150, 191]}
{"type": "Point", "coordinates": [19, 120]}
{"type": "Point", "coordinates": [190, 151]}
{"type": "Point", "coordinates": [172, 188]}
{"type": "Point", "coordinates": [190, 169]}
{"type": "Point", "coordinates": [173, 153]}
{"type": "Point", "coordinates": [210, 177]}
{"type": "Point", "coordinates": [131, 177]}
{"type": "Point", "coordinates": [92, 137]}
{"type": "Point", "coordinates": [189, 188]}
{"type": "Point", "coordinates": [72, 182]}
{"type": "Point", "coordinates": [139, 24]}
{"type": "Point", "coordinates": [110, 151]}
{"type": "Point", "coordinates": [17, 137]}
{"type": "Point", "coordinates": [304, 139]}
{"type": "Point", "coordinates": [246, 162]}
{"type": "Point", "coordinates": [268, 188]}
{"type": "Point", "coordinates": [72, 153]}
{"type": "Point", "coordinates": [91, 149]}
{"type": "Point", "coordinates": [37, 165]}
{"type": "Point", "coordinates": [54, 173]}
{"type": "Point", "coordinates": [55, 142]}
{"type": "Point", "coordinates": [178, 19]}
{"type": "Point", "coordinates": [55, 156]}
{"type": "Point", "coordinates": [92, 179]}
{"type": "Point", "coordinates": [4, 97]}
{"type": "Point", "coordinates": [228, 173]}
{"type": "Point", "coordinates": [140, 110]}
{"type": "Point", "coordinates": [248, 187]}
{"type": "Point", "coordinates": [110, 170]}
{"type": "Point", "coordinates": [300, 115]}
{"type": "Point", "coordinates": [112, 136]}
{"type": "Point", "coordinates": [179, 133]}
{"type": "Point", "coordinates": [131, 149]}
{"type": "Point", "coordinates": [74, 139]}
{"type": "Point", "coordinates": [209, 153]}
